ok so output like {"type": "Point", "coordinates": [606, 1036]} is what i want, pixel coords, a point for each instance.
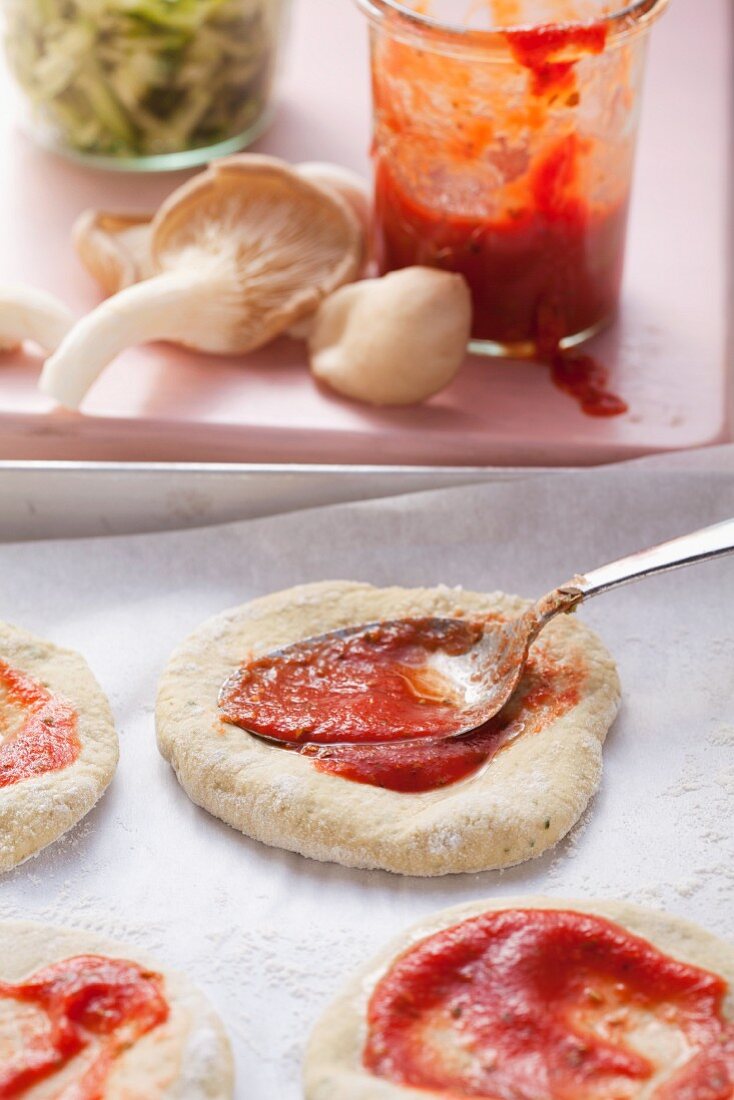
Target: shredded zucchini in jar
{"type": "Point", "coordinates": [133, 78]}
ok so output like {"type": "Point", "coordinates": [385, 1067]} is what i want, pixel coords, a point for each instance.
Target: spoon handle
{"type": "Point", "coordinates": [711, 542]}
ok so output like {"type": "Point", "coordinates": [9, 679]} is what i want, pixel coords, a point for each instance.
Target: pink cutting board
{"type": "Point", "coordinates": [668, 353]}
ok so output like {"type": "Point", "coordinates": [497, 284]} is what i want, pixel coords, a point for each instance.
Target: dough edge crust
{"type": "Point", "coordinates": [332, 1066]}
{"type": "Point", "coordinates": [192, 1044]}
{"type": "Point", "coordinates": [38, 811]}
{"type": "Point", "coordinates": [518, 807]}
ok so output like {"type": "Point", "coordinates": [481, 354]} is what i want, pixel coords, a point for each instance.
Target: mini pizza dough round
{"type": "Point", "coordinates": [522, 803]}
{"type": "Point", "coordinates": [38, 810]}
{"type": "Point", "coordinates": [188, 1057]}
{"type": "Point", "coordinates": [333, 1066]}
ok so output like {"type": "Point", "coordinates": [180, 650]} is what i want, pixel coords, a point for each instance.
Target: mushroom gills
{"type": "Point", "coordinates": [240, 252]}
{"type": "Point", "coordinates": [115, 246]}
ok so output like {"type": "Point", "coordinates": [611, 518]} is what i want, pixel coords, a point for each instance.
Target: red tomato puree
{"type": "Point", "coordinates": [46, 737]}
{"type": "Point", "coordinates": [88, 1000]}
{"type": "Point", "coordinates": [549, 263]}
{"type": "Point", "coordinates": [349, 688]}
{"type": "Point", "coordinates": [330, 699]}
{"type": "Point", "coordinates": [524, 1004]}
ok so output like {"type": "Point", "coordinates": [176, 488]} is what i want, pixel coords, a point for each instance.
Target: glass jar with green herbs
{"type": "Point", "coordinates": [148, 84]}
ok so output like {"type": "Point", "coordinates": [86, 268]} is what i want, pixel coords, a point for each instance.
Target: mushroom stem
{"type": "Point", "coordinates": [169, 306]}
{"type": "Point", "coordinates": [29, 314]}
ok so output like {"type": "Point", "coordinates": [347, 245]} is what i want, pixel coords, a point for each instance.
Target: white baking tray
{"type": "Point", "coordinates": [40, 500]}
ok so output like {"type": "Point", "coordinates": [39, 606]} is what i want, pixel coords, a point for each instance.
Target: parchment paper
{"type": "Point", "coordinates": [271, 936]}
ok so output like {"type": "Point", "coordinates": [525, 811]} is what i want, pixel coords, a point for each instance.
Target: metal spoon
{"type": "Point", "coordinates": [481, 680]}
{"type": "Point", "coordinates": [492, 668]}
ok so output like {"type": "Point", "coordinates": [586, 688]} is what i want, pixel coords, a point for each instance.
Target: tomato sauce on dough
{"type": "Point", "coordinates": [518, 1004]}
{"type": "Point", "coordinates": [330, 701]}
{"type": "Point", "coordinates": [348, 688]}
{"type": "Point", "coordinates": [44, 738]}
{"type": "Point", "coordinates": [89, 1000]}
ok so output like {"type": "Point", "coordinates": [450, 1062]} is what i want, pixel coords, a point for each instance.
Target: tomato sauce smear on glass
{"type": "Point", "coordinates": [523, 1003]}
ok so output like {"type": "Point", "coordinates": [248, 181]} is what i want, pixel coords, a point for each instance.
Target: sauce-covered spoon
{"type": "Point", "coordinates": [408, 679]}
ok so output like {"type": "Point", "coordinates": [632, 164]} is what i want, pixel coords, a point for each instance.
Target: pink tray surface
{"type": "Point", "coordinates": [668, 353]}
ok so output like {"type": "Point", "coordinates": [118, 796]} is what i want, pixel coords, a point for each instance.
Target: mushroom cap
{"type": "Point", "coordinates": [114, 247]}
{"type": "Point", "coordinates": [353, 188]}
{"type": "Point", "coordinates": [393, 341]}
{"type": "Point", "coordinates": [276, 245]}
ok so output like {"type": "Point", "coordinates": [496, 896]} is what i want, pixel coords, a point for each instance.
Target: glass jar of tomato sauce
{"type": "Point", "coordinates": [504, 140]}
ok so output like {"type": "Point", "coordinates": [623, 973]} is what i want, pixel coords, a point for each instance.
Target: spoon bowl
{"type": "Point", "coordinates": [386, 682]}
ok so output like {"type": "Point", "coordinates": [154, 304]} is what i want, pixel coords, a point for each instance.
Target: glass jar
{"type": "Point", "coordinates": [145, 84]}
{"type": "Point", "coordinates": [504, 139]}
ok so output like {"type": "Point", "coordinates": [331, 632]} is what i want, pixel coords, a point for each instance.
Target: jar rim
{"type": "Point", "coordinates": [630, 19]}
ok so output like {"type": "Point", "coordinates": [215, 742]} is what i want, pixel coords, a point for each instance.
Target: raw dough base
{"type": "Point", "coordinates": [37, 811]}
{"type": "Point", "coordinates": [186, 1058]}
{"type": "Point", "coordinates": [333, 1067]}
{"type": "Point", "coordinates": [514, 809]}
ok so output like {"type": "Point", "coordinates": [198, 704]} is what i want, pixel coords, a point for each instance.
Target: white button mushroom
{"type": "Point", "coordinates": [29, 314]}
{"type": "Point", "coordinates": [395, 340]}
{"type": "Point", "coordinates": [240, 252]}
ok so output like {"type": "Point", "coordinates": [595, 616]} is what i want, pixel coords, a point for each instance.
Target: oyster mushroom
{"type": "Point", "coordinates": [114, 248]}
{"type": "Point", "coordinates": [395, 340]}
{"type": "Point", "coordinates": [29, 314]}
{"type": "Point", "coordinates": [352, 188]}
{"type": "Point", "coordinates": [240, 252]}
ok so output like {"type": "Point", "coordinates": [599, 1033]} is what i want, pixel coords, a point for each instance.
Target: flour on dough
{"type": "Point", "coordinates": [522, 803]}
{"type": "Point", "coordinates": [187, 1057]}
{"type": "Point", "coordinates": [38, 810]}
